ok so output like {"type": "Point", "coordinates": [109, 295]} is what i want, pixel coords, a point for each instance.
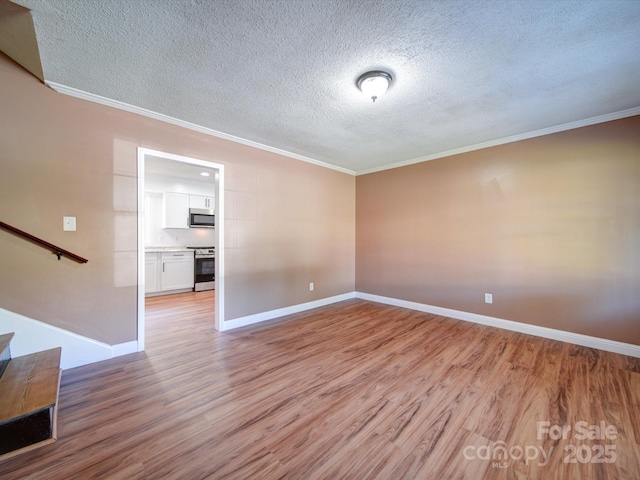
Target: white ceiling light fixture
{"type": "Point", "coordinates": [204, 174]}
{"type": "Point", "coordinates": [374, 84]}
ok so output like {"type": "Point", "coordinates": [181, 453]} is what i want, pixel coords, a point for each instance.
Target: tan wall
{"type": "Point", "coordinates": [550, 226]}
{"type": "Point", "coordinates": [287, 222]}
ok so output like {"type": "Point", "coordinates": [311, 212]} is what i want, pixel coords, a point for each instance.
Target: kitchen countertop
{"type": "Point", "coordinates": [166, 248]}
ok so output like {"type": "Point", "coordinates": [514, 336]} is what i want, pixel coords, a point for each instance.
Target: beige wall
{"type": "Point", "coordinates": [550, 226]}
{"type": "Point", "coordinates": [287, 222]}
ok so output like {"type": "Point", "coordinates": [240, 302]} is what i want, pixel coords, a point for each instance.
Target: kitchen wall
{"type": "Point", "coordinates": [155, 234]}
{"type": "Point", "coordinates": [550, 226]}
{"type": "Point", "coordinates": [287, 222]}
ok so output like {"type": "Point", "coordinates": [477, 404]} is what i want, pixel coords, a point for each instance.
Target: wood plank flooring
{"type": "Point", "coordinates": [355, 390]}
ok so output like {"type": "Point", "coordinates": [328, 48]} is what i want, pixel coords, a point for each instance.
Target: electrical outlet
{"type": "Point", "coordinates": [311, 287]}
{"type": "Point", "coordinates": [488, 298]}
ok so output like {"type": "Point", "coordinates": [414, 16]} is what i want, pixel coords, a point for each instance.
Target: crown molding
{"type": "Point", "coordinates": [514, 138]}
{"type": "Point", "coordinates": [74, 92]}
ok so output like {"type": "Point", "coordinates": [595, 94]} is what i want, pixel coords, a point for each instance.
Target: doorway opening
{"type": "Point", "coordinates": [178, 166]}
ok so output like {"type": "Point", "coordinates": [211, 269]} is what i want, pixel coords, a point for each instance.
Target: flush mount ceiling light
{"type": "Point", "coordinates": [374, 84]}
{"type": "Point", "coordinates": [204, 174]}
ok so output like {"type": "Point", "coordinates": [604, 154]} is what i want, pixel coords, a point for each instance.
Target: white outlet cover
{"type": "Point", "coordinates": [69, 224]}
{"type": "Point", "coordinates": [488, 298]}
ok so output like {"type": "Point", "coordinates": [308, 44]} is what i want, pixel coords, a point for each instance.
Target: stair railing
{"type": "Point", "coordinates": [55, 249]}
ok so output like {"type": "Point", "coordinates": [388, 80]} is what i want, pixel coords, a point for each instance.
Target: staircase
{"type": "Point", "coordinates": [29, 388]}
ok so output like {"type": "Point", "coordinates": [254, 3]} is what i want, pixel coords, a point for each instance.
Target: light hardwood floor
{"type": "Point", "coordinates": [355, 390]}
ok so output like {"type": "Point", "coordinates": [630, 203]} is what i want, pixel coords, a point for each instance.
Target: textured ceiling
{"type": "Point", "coordinates": [282, 72]}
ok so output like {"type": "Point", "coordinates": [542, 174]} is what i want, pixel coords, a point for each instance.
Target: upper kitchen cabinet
{"type": "Point", "coordinates": [200, 201]}
{"type": "Point", "coordinates": [176, 210]}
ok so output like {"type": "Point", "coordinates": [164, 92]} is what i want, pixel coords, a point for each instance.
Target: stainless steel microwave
{"type": "Point", "coordinates": [201, 218]}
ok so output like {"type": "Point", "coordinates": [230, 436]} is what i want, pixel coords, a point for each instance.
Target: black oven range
{"type": "Point", "coordinates": [204, 268]}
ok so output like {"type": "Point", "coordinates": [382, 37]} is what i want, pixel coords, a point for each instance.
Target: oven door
{"type": "Point", "coordinates": [205, 273]}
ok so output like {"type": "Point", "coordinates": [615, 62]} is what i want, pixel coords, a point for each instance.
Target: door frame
{"type": "Point", "coordinates": [219, 296]}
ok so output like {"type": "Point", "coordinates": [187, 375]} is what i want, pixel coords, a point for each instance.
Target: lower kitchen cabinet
{"type": "Point", "coordinates": [168, 271]}
{"type": "Point", "coordinates": [177, 270]}
{"type": "Point", "coordinates": [151, 276]}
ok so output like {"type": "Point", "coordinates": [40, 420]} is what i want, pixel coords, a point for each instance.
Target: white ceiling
{"type": "Point", "coordinates": [172, 168]}
{"type": "Point", "coordinates": [282, 72]}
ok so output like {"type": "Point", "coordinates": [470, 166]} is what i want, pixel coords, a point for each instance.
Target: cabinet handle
{"type": "Point", "coordinates": [162, 267]}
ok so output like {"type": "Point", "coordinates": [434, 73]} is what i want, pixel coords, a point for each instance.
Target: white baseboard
{"type": "Point", "coordinates": [281, 312]}
{"type": "Point", "coordinates": [124, 348]}
{"type": "Point", "coordinates": [545, 332]}
{"type": "Point", "coordinates": [33, 336]}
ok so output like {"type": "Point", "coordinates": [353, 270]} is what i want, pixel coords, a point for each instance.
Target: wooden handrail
{"type": "Point", "coordinates": [57, 250]}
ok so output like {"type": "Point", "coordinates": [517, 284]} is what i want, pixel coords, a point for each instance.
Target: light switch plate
{"type": "Point", "coordinates": [69, 224]}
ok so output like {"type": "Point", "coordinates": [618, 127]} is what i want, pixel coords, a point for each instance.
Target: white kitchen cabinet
{"type": "Point", "coordinates": [177, 270]}
{"type": "Point", "coordinates": [151, 274]}
{"type": "Point", "coordinates": [176, 210]}
{"type": "Point", "coordinates": [200, 201]}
